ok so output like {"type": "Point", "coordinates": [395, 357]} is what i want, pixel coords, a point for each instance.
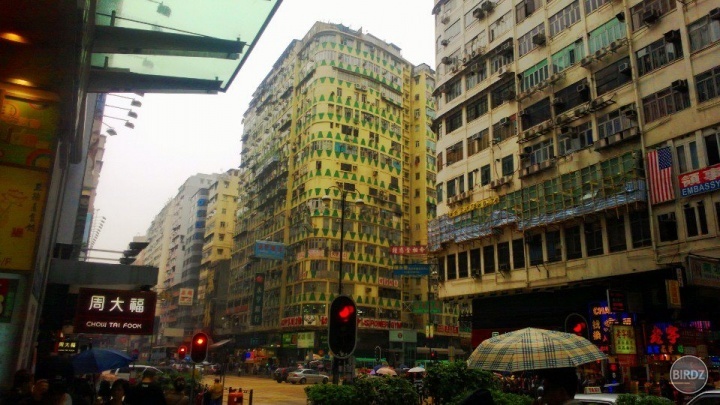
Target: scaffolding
{"type": "Point", "coordinates": [605, 185]}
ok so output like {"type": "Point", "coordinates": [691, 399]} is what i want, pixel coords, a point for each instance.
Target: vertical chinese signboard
{"type": "Point", "coordinates": [115, 312]}
{"type": "Point", "coordinates": [257, 302]}
{"type": "Point", "coordinates": [623, 339]}
{"type": "Point", "coordinates": [186, 296]}
{"type": "Point", "coordinates": [27, 140]}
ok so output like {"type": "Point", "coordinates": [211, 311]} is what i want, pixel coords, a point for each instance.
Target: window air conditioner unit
{"type": "Point", "coordinates": [651, 16]}
{"type": "Point", "coordinates": [358, 86]}
{"type": "Point", "coordinates": [714, 14]}
{"type": "Point", "coordinates": [538, 39]}
{"type": "Point", "coordinates": [679, 85]}
{"type": "Point", "coordinates": [445, 18]}
{"type": "Point", "coordinates": [600, 53]}
{"type": "Point", "coordinates": [630, 113]}
{"type": "Point", "coordinates": [505, 121]}
{"type": "Point", "coordinates": [582, 88]}
{"type": "Point", "coordinates": [446, 60]}
{"type": "Point", "coordinates": [478, 13]}
{"type": "Point", "coordinates": [617, 44]}
{"type": "Point", "coordinates": [586, 61]}
{"type": "Point", "coordinates": [487, 5]}
{"type": "Point", "coordinates": [561, 119]}
{"type": "Point", "coordinates": [523, 113]}
{"type": "Point", "coordinates": [557, 101]}
{"type": "Point", "coordinates": [444, 42]}
{"type": "Point", "coordinates": [624, 68]}
{"type": "Point", "coordinates": [581, 111]}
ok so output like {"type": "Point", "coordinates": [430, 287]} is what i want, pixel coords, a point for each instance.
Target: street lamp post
{"type": "Point", "coordinates": [343, 199]}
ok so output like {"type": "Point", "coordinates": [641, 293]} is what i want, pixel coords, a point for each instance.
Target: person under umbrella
{"type": "Point", "coordinates": [558, 386]}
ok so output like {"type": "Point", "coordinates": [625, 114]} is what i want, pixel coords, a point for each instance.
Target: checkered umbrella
{"type": "Point", "coordinates": [533, 349]}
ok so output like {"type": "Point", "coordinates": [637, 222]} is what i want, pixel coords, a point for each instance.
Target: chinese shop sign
{"type": "Point", "coordinates": [408, 250]}
{"type": "Point", "coordinates": [186, 297]}
{"type": "Point", "coordinates": [257, 303]}
{"type": "Point", "coordinates": [601, 322]}
{"type": "Point", "coordinates": [663, 339]}
{"type": "Point", "coordinates": [269, 250]}
{"type": "Point", "coordinates": [115, 312]}
{"type": "Point", "coordinates": [623, 339]}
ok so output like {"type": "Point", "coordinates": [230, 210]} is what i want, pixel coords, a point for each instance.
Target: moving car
{"type": "Point", "coordinates": [307, 375]}
{"type": "Point", "coordinates": [281, 374]}
{"type": "Point", "coordinates": [132, 373]}
{"type": "Point", "coordinates": [711, 397]}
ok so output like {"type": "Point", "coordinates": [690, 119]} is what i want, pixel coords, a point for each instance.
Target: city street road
{"type": "Point", "coordinates": [266, 391]}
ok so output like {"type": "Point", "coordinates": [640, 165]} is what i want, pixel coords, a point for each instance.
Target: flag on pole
{"type": "Point", "coordinates": [660, 175]}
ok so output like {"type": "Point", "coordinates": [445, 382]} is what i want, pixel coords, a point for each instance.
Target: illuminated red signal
{"type": "Point", "coordinates": [200, 341]}
{"type": "Point", "coordinates": [182, 351]}
{"type": "Point", "coordinates": [199, 349]}
{"type": "Point", "coordinates": [579, 328]}
{"type": "Point", "coordinates": [346, 312]}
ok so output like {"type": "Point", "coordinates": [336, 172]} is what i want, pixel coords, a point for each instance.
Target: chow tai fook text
{"type": "Point", "coordinates": [115, 312]}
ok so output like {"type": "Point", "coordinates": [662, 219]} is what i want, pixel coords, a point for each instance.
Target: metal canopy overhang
{"type": "Point", "coordinates": [76, 273]}
{"type": "Point", "coordinates": [108, 81]}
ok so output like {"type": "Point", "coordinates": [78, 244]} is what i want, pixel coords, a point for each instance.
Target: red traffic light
{"type": "Point", "coordinates": [200, 340]}
{"type": "Point", "coordinates": [199, 349]}
{"type": "Point", "coordinates": [346, 312]}
{"type": "Point", "coordinates": [579, 328]}
{"type": "Point", "coordinates": [182, 351]}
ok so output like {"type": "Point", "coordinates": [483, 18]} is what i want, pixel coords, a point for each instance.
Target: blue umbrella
{"type": "Point", "coordinates": [99, 360]}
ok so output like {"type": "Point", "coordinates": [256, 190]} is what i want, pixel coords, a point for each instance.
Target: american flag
{"type": "Point", "coordinates": [660, 175]}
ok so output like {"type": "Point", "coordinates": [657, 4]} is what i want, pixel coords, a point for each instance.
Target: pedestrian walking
{"type": "Point", "coordinates": [118, 391]}
{"type": "Point", "coordinates": [216, 393]}
{"type": "Point", "coordinates": [147, 391]}
{"type": "Point", "coordinates": [177, 395]}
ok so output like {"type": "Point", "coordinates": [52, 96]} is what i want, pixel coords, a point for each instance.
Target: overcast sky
{"type": "Point", "coordinates": [176, 136]}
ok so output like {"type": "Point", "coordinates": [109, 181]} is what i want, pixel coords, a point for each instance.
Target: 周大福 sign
{"type": "Point", "coordinates": [115, 312]}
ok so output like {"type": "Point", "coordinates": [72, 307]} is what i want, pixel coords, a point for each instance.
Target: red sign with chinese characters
{"type": "Point", "coordinates": [699, 181]}
{"type": "Point", "coordinates": [408, 250]}
{"type": "Point", "coordinates": [447, 330]}
{"type": "Point", "coordinates": [115, 312]}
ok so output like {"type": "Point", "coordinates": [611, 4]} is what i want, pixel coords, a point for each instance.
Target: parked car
{"type": "Point", "coordinates": [307, 375]}
{"type": "Point", "coordinates": [281, 374]}
{"type": "Point", "coordinates": [711, 397]}
{"type": "Point", "coordinates": [595, 399]}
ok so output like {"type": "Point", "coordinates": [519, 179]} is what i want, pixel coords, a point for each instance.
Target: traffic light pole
{"type": "Point", "coordinates": [343, 193]}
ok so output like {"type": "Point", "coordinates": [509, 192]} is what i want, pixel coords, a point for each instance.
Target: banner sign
{"type": "Point", "coordinates": [702, 271]}
{"type": "Point", "coordinates": [370, 323]}
{"type": "Point", "coordinates": [269, 250]}
{"type": "Point", "coordinates": [186, 297]}
{"type": "Point", "coordinates": [115, 312]}
{"type": "Point", "coordinates": [405, 335]}
{"type": "Point", "coordinates": [412, 270]}
{"type": "Point", "coordinates": [289, 340]}
{"type": "Point", "coordinates": [423, 307]}
{"type": "Point", "coordinates": [447, 330]}
{"type": "Point", "coordinates": [408, 250]}
{"type": "Point", "coordinates": [305, 340]}
{"type": "Point", "coordinates": [700, 181]}
{"type": "Point", "coordinates": [388, 282]}
{"type": "Point", "coordinates": [672, 290]}
{"type": "Point", "coordinates": [291, 321]}
{"type": "Point", "coordinates": [257, 303]}
{"type": "Point", "coordinates": [617, 301]}
{"type": "Point", "coordinates": [67, 346]}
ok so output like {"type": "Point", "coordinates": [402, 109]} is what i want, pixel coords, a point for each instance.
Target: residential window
{"type": "Point", "coordinates": [535, 248]}
{"type": "Point", "coordinates": [454, 90]}
{"type": "Point", "coordinates": [708, 84]}
{"type": "Point", "coordinates": [666, 102]}
{"type": "Point", "coordinates": [616, 233]}
{"type": "Point", "coordinates": [501, 26]}
{"type": "Point", "coordinates": [485, 175]}
{"type": "Point", "coordinates": [613, 76]}
{"type": "Point", "coordinates": [638, 11]}
{"type": "Point", "coordinates": [687, 156]}
{"type": "Point", "coordinates": [525, 42]}
{"type": "Point", "coordinates": [508, 165]}
{"type": "Point", "coordinates": [695, 219]}
{"type": "Point", "coordinates": [478, 142]}
{"type": "Point", "coordinates": [454, 121]}
{"type": "Point", "coordinates": [452, 31]}
{"type": "Point", "coordinates": [503, 253]}
{"type": "Point", "coordinates": [593, 238]}
{"type": "Point", "coordinates": [667, 225]}
{"type": "Point", "coordinates": [592, 5]}
{"type": "Point", "coordinates": [659, 53]}
{"type": "Point", "coordinates": [575, 138]}
{"type": "Point", "coordinates": [534, 75]}
{"type": "Point", "coordinates": [703, 32]}
{"type": "Point", "coordinates": [603, 35]}
{"type": "Point", "coordinates": [505, 128]}
{"type": "Point", "coordinates": [489, 259]}
{"type": "Point", "coordinates": [553, 246]}
{"type": "Point", "coordinates": [476, 74]}
{"type": "Point", "coordinates": [454, 153]}
{"type": "Point", "coordinates": [502, 93]}
{"type": "Point", "coordinates": [571, 96]}
{"type": "Point", "coordinates": [536, 113]}
{"type": "Point", "coordinates": [564, 18]}
{"type": "Point", "coordinates": [472, 178]}
{"type": "Point", "coordinates": [614, 122]}
{"type": "Point", "coordinates": [568, 56]}
{"type": "Point", "coordinates": [712, 148]}
{"type": "Point", "coordinates": [462, 265]}
{"type": "Point", "coordinates": [525, 8]}
{"type": "Point", "coordinates": [640, 229]}
{"type": "Point", "coordinates": [456, 186]}
{"type": "Point", "coordinates": [573, 244]}
{"type": "Point", "coordinates": [539, 152]}
{"type": "Point", "coordinates": [501, 59]}
{"type": "Point", "coordinates": [518, 253]}
{"type": "Point", "coordinates": [477, 108]}
{"type": "Point", "coordinates": [475, 262]}
{"type": "Point", "coordinates": [451, 267]}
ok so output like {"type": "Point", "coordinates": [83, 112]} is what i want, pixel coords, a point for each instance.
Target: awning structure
{"type": "Point", "coordinates": [220, 343]}
{"type": "Point", "coordinates": [101, 275]}
{"type": "Point", "coordinates": [181, 46]}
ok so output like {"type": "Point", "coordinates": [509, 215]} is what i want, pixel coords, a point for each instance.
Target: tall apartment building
{"type": "Point", "coordinates": [175, 238]}
{"type": "Point", "coordinates": [577, 153]}
{"type": "Point", "coordinates": [217, 244]}
{"type": "Point", "coordinates": [341, 113]}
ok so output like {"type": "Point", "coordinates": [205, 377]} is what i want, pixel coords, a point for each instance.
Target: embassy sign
{"type": "Point", "coordinates": [115, 312]}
